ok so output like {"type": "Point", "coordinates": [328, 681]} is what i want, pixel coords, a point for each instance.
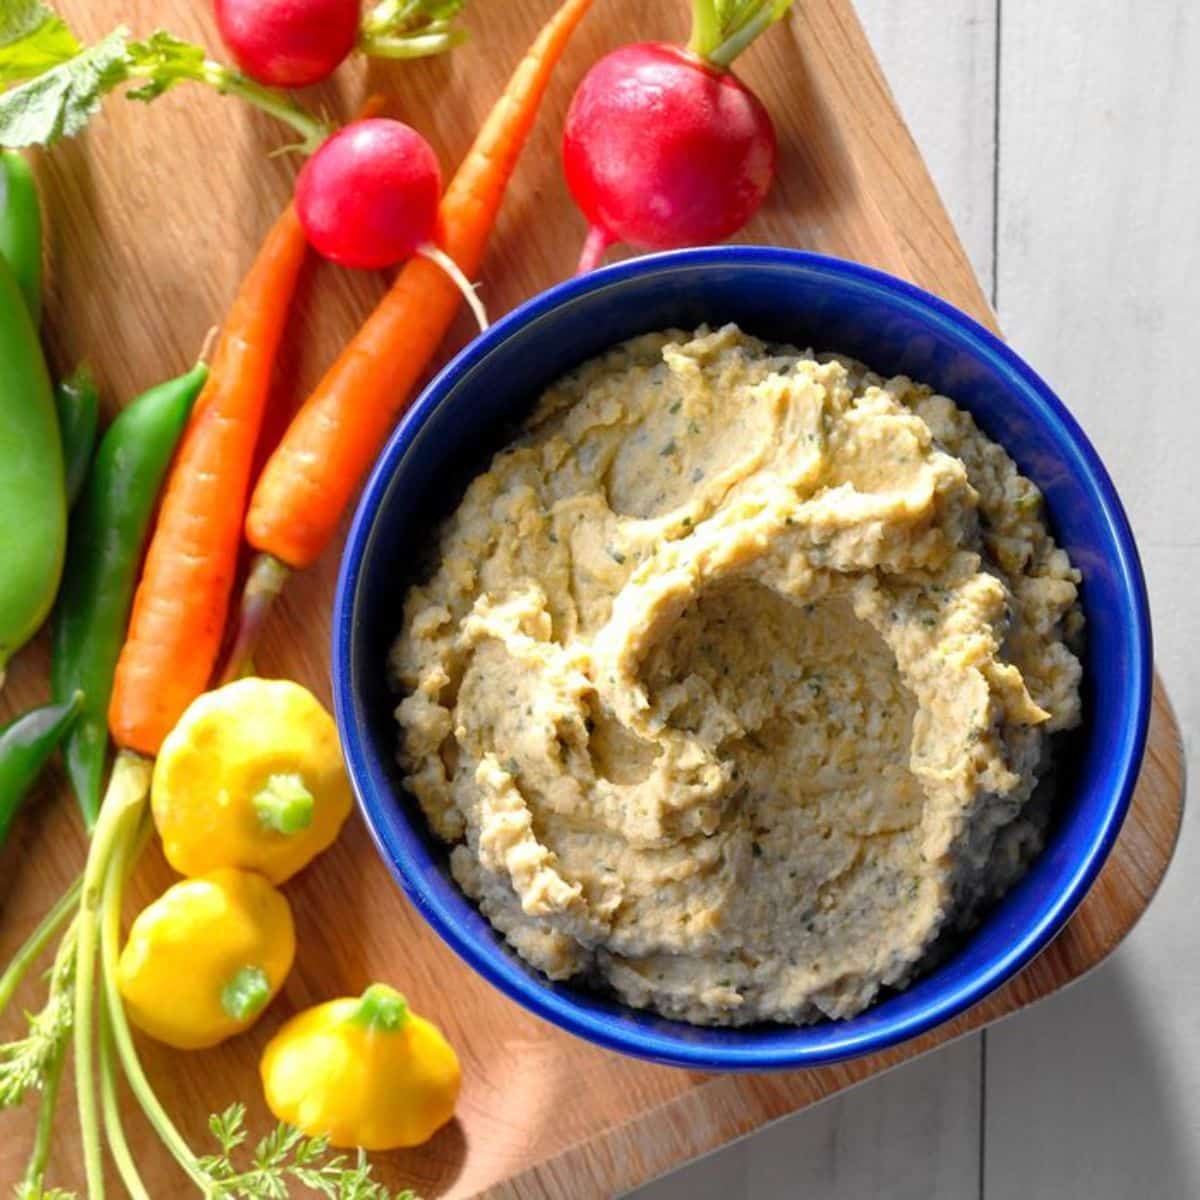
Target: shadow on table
{"type": "Point", "coordinates": [1085, 1102]}
{"type": "Point", "coordinates": [1119, 1125]}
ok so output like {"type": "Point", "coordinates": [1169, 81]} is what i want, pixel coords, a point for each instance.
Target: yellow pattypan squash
{"type": "Point", "coordinates": [205, 959]}
{"type": "Point", "coordinates": [364, 1072]}
{"type": "Point", "coordinates": [251, 777]}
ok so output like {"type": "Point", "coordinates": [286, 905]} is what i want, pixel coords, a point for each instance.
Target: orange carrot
{"type": "Point", "coordinates": [303, 490]}
{"type": "Point", "coordinates": [179, 609]}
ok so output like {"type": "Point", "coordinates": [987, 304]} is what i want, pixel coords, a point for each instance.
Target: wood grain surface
{"type": "Point", "coordinates": [153, 216]}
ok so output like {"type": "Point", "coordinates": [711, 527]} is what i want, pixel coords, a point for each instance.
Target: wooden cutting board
{"type": "Point", "coordinates": [153, 216]}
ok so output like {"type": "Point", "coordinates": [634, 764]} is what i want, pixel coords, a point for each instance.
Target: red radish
{"type": "Point", "coordinates": [665, 146]}
{"type": "Point", "coordinates": [368, 198]}
{"type": "Point", "coordinates": [288, 43]}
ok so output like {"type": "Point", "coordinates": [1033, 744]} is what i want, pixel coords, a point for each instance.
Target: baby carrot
{"type": "Point", "coordinates": [303, 491]}
{"type": "Point", "coordinates": [179, 609]}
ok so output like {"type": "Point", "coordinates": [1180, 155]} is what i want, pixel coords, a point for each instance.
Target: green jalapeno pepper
{"type": "Point", "coordinates": [21, 228]}
{"type": "Point", "coordinates": [108, 529]}
{"type": "Point", "coordinates": [78, 417]}
{"type": "Point", "coordinates": [25, 744]}
{"type": "Point", "coordinates": [33, 503]}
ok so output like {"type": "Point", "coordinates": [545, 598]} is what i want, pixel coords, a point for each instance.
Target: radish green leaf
{"type": "Point", "coordinates": [32, 39]}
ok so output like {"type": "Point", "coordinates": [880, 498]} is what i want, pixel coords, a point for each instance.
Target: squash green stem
{"type": "Point", "coordinates": [381, 1008]}
{"type": "Point", "coordinates": [284, 804]}
{"type": "Point", "coordinates": [246, 993]}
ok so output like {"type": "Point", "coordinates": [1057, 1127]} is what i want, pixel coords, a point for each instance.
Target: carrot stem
{"type": "Point", "coordinates": [128, 789]}
{"type": "Point", "coordinates": [124, 854]}
{"type": "Point", "coordinates": [114, 1131]}
{"type": "Point", "coordinates": [265, 582]}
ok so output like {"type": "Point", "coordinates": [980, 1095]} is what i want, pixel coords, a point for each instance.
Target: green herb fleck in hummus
{"type": "Point", "coordinates": [735, 677]}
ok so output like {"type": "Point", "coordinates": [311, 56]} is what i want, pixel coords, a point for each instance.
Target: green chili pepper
{"type": "Point", "coordinates": [21, 228]}
{"type": "Point", "coordinates": [108, 530]}
{"type": "Point", "coordinates": [78, 417]}
{"type": "Point", "coordinates": [25, 744]}
{"type": "Point", "coordinates": [33, 502]}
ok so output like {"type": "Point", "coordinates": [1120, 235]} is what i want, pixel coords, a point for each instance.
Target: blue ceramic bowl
{"type": "Point", "coordinates": [467, 413]}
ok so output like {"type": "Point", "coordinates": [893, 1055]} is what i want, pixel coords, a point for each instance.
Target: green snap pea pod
{"type": "Point", "coordinates": [78, 417]}
{"type": "Point", "coordinates": [108, 529]}
{"type": "Point", "coordinates": [21, 228]}
{"type": "Point", "coordinates": [33, 501]}
{"type": "Point", "coordinates": [25, 744]}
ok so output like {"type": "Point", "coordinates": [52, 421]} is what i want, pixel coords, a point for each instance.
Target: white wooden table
{"type": "Point", "coordinates": [1064, 138]}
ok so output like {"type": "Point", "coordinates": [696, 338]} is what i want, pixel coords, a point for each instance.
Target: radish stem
{"type": "Point", "coordinates": [409, 29]}
{"type": "Point", "coordinates": [706, 28]}
{"type": "Point", "coordinates": [234, 83]}
{"type": "Point", "coordinates": [424, 46]}
{"type": "Point", "coordinates": [162, 61]}
{"type": "Point", "coordinates": [719, 38]}
{"type": "Point", "coordinates": [739, 38]}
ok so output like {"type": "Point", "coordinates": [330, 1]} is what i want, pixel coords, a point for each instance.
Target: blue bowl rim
{"type": "Point", "coordinates": [656, 1045]}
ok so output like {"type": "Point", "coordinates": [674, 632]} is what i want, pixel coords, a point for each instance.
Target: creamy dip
{"type": "Point", "coordinates": [735, 676]}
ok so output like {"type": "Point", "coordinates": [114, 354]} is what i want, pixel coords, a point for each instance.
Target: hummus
{"type": "Point", "coordinates": [735, 677]}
